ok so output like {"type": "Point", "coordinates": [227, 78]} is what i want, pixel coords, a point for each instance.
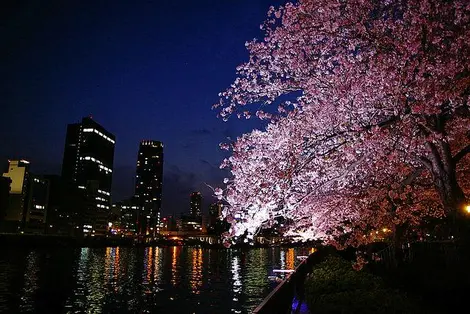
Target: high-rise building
{"type": "Point", "coordinates": [66, 203]}
{"type": "Point", "coordinates": [193, 221]}
{"type": "Point", "coordinates": [15, 215]}
{"type": "Point", "coordinates": [195, 204]}
{"type": "Point", "coordinates": [148, 186]}
{"type": "Point", "coordinates": [88, 164]}
{"type": "Point", "coordinates": [215, 210]}
{"type": "Point", "coordinates": [216, 225]}
{"type": "Point", "coordinates": [4, 198]}
{"type": "Point", "coordinates": [36, 203]}
{"type": "Point", "coordinates": [126, 214]}
{"type": "Point", "coordinates": [28, 199]}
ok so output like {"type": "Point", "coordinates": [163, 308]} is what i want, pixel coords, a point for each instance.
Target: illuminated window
{"type": "Point", "coordinates": [91, 130]}
{"type": "Point", "coordinates": [104, 192]}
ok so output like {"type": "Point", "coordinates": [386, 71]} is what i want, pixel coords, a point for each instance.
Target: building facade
{"type": "Point", "coordinates": [66, 204]}
{"type": "Point", "coordinates": [215, 210]}
{"type": "Point", "coordinates": [15, 215]}
{"type": "Point", "coordinates": [125, 218]}
{"type": "Point", "coordinates": [88, 165]}
{"type": "Point", "coordinates": [195, 204]}
{"type": "Point", "coordinates": [4, 198]}
{"type": "Point", "coordinates": [148, 187]}
{"type": "Point", "coordinates": [27, 200]}
{"type": "Point", "coordinates": [193, 221]}
{"type": "Point", "coordinates": [36, 204]}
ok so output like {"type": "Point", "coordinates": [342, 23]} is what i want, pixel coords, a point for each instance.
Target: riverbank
{"type": "Point", "coordinates": [334, 286]}
{"type": "Point", "coordinates": [326, 282]}
{"type": "Point", "coordinates": [35, 240]}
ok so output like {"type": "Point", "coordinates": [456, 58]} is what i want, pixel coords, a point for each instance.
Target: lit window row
{"type": "Point", "coordinates": [104, 192]}
{"type": "Point", "coordinates": [92, 159]}
{"type": "Point", "coordinates": [102, 206]}
{"type": "Point", "coordinates": [38, 206]}
{"type": "Point", "coordinates": [101, 199]}
{"type": "Point", "coordinates": [129, 207]}
{"type": "Point", "coordinates": [98, 162]}
{"type": "Point", "coordinates": [91, 130]}
{"type": "Point", "coordinates": [105, 168]}
{"type": "Point", "coordinates": [81, 187]}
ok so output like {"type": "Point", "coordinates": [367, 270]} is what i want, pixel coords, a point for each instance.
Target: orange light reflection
{"type": "Point", "coordinates": [196, 273]}
{"type": "Point", "coordinates": [174, 265]}
{"type": "Point", "coordinates": [290, 259]}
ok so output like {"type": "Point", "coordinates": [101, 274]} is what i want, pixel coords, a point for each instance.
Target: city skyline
{"type": "Point", "coordinates": [139, 72]}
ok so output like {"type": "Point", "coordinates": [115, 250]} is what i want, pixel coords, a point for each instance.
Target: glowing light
{"type": "Point", "coordinates": [196, 272]}
{"type": "Point", "coordinates": [467, 209]}
{"type": "Point", "coordinates": [174, 266]}
{"type": "Point", "coordinates": [290, 259]}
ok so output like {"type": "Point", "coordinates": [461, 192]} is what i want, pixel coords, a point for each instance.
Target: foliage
{"type": "Point", "coordinates": [334, 287]}
{"type": "Point", "coordinates": [371, 129]}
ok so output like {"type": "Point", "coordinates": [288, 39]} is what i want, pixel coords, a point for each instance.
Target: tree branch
{"type": "Point", "coordinates": [426, 162]}
{"type": "Point", "coordinates": [461, 154]}
{"type": "Point", "coordinates": [413, 176]}
{"type": "Point", "coordinates": [435, 157]}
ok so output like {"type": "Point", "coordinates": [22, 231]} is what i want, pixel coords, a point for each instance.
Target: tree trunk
{"type": "Point", "coordinates": [443, 168]}
{"type": "Point", "coordinates": [453, 200]}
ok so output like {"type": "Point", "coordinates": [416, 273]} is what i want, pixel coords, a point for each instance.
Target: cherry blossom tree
{"type": "Point", "coordinates": [372, 127]}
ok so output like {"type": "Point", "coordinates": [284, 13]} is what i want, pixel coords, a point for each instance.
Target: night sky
{"type": "Point", "coordinates": [146, 71]}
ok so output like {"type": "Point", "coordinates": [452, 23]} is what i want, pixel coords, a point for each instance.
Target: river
{"type": "Point", "coordinates": [138, 280]}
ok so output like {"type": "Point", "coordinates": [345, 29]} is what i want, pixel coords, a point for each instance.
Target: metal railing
{"type": "Point", "coordinates": [281, 299]}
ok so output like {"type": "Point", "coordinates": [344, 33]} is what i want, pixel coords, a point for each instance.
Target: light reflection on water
{"type": "Point", "coordinates": [31, 283]}
{"type": "Point", "coordinates": [139, 280]}
{"type": "Point", "coordinates": [196, 270]}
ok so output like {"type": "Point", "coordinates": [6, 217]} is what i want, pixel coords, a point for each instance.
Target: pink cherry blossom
{"type": "Point", "coordinates": [372, 127]}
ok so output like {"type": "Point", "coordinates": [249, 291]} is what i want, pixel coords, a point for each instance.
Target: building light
{"type": "Point", "coordinates": [104, 192]}
{"type": "Point", "coordinates": [91, 130]}
{"type": "Point", "coordinates": [105, 168]}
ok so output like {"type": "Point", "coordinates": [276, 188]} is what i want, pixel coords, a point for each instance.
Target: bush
{"type": "Point", "coordinates": [335, 287]}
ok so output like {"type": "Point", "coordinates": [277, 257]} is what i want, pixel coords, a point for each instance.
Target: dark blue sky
{"type": "Point", "coordinates": [144, 70]}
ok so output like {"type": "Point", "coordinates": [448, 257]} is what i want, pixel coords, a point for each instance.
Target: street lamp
{"type": "Point", "coordinates": [467, 209]}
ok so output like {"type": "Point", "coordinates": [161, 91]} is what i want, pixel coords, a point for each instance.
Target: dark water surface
{"type": "Point", "coordinates": [138, 280]}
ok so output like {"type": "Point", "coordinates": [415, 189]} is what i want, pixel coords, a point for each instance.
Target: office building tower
{"type": "Point", "coordinates": [193, 221]}
{"type": "Point", "coordinates": [14, 217]}
{"type": "Point", "coordinates": [125, 217]}
{"type": "Point", "coordinates": [88, 165]}
{"type": "Point", "coordinates": [28, 199]}
{"type": "Point", "coordinates": [195, 204]}
{"type": "Point", "coordinates": [65, 207]}
{"type": "Point", "coordinates": [36, 204]}
{"type": "Point", "coordinates": [148, 186]}
{"type": "Point", "coordinates": [215, 210]}
{"type": "Point", "coordinates": [4, 198]}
